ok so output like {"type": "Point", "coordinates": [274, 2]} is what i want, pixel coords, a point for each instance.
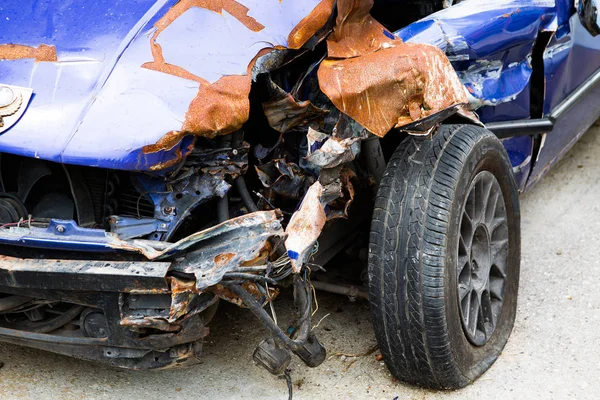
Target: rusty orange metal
{"type": "Point", "coordinates": [310, 24]}
{"type": "Point", "coordinates": [42, 53]}
{"type": "Point", "coordinates": [392, 87]}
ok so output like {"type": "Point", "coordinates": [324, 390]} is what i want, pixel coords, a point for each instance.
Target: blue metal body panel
{"type": "Point", "coordinates": [490, 44]}
{"type": "Point", "coordinates": [96, 105]}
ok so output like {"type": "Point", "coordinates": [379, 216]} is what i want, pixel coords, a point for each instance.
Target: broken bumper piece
{"type": "Point", "coordinates": [145, 308]}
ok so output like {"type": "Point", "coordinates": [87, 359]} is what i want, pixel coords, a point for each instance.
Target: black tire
{"type": "Point", "coordinates": [414, 248]}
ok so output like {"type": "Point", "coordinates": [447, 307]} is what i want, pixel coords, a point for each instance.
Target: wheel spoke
{"type": "Point", "coordinates": [485, 198]}
{"type": "Point", "coordinates": [499, 255]}
{"type": "Point", "coordinates": [491, 206]}
{"type": "Point", "coordinates": [496, 283]}
{"type": "Point", "coordinates": [463, 290]}
{"type": "Point", "coordinates": [470, 207]}
{"type": "Point", "coordinates": [464, 270]}
{"type": "Point", "coordinates": [466, 233]}
{"type": "Point", "coordinates": [495, 224]}
{"type": "Point", "coordinates": [466, 306]}
{"type": "Point", "coordinates": [473, 312]}
{"type": "Point", "coordinates": [489, 319]}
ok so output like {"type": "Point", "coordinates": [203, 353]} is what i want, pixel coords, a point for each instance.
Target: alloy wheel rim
{"type": "Point", "coordinates": [482, 258]}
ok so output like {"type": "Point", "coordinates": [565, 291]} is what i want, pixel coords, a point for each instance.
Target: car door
{"type": "Point", "coordinates": [572, 73]}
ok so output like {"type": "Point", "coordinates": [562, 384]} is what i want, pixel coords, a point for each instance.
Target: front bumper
{"type": "Point", "coordinates": [147, 313]}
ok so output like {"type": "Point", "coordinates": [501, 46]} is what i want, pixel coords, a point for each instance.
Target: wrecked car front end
{"type": "Point", "coordinates": [175, 154]}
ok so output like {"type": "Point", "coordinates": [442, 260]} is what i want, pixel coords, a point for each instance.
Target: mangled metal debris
{"type": "Point", "coordinates": [305, 226]}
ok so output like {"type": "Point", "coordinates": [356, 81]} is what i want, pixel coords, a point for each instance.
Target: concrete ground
{"type": "Point", "coordinates": [553, 352]}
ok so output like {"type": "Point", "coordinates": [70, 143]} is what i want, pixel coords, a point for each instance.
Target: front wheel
{"type": "Point", "coordinates": [444, 257]}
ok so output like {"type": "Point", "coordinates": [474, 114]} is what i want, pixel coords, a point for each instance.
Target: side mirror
{"type": "Point", "coordinates": [588, 15]}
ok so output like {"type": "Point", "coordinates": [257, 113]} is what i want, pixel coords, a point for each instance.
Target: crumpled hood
{"type": "Point", "coordinates": [88, 38]}
{"type": "Point", "coordinates": [95, 104]}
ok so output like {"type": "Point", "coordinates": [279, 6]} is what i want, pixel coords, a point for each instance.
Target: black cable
{"type": "Point", "coordinates": [240, 185]}
{"type": "Point", "coordinates": [249, 277]}
{"type": "Point", "coordinates": [223, 208]}
{"type": "Point", "coordinates": [288, 379]}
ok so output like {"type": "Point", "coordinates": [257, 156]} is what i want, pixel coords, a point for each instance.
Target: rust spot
{"type": "Point", "coordinates": [17, 51]}
{"type": "Point", "coordinates": [310, 24]}
{"type": "Point", "coordinates": [392, 87]}
{"type": "Point", "coordinates": [220, 108]}
{"type": "Point", "coordinates": [179, 285]}
{"type": "Point", "coordinates": [222, 259]}
{"type": "Point", "coordinates": [227, 295]}
{"type": "Point", "coordinates": [169, 163]}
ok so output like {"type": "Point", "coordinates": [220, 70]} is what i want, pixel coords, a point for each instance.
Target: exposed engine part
{"type": "Point", "coordinates": [93, 323]}
{"type": "Point", "coordinates": [11, 209]}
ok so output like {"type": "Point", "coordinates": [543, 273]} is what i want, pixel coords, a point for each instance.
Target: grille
{"type": "Point", "coordinates": [130, 201]}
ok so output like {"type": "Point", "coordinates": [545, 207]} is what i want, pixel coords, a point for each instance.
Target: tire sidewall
{"type": "Point", "coordinates": [487, 154]}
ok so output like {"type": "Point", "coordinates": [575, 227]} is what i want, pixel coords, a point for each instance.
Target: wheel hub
{"type": "Point", "coordinates": [482, 258]}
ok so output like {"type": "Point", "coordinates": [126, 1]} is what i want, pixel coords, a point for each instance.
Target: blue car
{"type": "Point", "coordinates": [160, 156]}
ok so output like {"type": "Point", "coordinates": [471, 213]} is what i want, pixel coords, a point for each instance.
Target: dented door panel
{"type": "Point", "coordinates": [572, 58]}
{"type": "Point", "coordinates": [490, 45]}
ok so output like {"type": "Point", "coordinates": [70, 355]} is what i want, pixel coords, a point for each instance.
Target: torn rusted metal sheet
{"type": "Point", "coordinates": [183, 293]}
{"type": "Point", "coordinates": [214, 251]}
{"type": "Point", "coordinates": [267, 220]}
{"type": "Point", "coordinates": [392, 87]}
{"type": "Point", "coordinates": [284, 112]}
{"type": "Point", "coordinates": [305, 226]}
{"type": "Point", "coordinates": [286, 179]}
{"type": "Point", "coordinates": [356, 32]}
{"type": "Point", "coordinates": [42, 53]}
{"type": "Point", "coordinates": [326, 151]}
{"type": "Point", "coordinates": [381, 82]}
{"type": "Point", "coordinates": [144, 322]}
{"type": "Point", "coordinates": [311, 24]}
{"type": "Point", "coordinates": [221, 105]}
{"type": "Point", "coordinates": [338, 193]}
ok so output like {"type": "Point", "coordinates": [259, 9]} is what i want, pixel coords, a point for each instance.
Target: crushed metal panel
{"type": "Point", "coordinates": [325, 151]}
{"type": "Point", "coordinates": [305, 226]}
{"type": "Point", "coordinates": [284, 112]}
{"type": "Point", "coordinates": [392, 87]}
{"type": "Point", "coordinates": [356, 32]}
{"type": "Point", "coordinates": [222, 62]}
{"type": "Point", "coordinates": [111, 276]}
{"type": "Point", "coordinates": [214, 251]}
